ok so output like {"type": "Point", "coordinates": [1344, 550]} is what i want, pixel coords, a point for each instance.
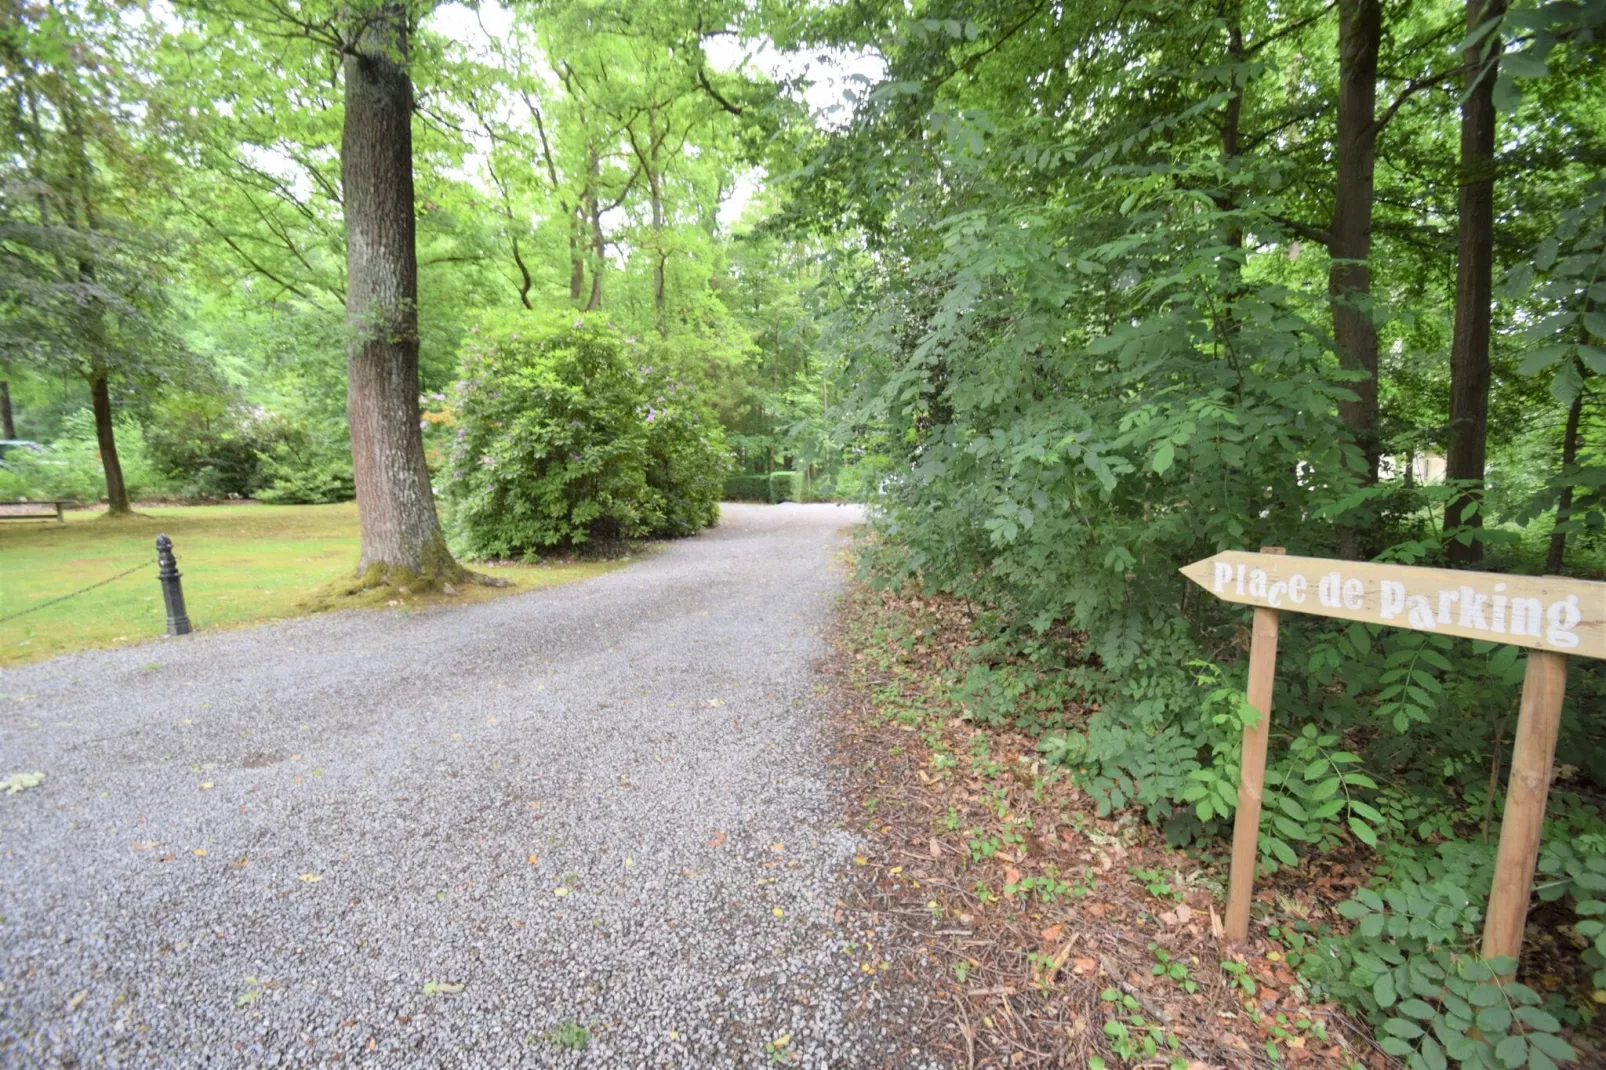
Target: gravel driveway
{"type": "Point", "coordinates": [590, 825]}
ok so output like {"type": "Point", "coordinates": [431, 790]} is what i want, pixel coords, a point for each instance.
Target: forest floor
{"type": "Point", "coordinates": [1061, 938]}
{"type": "Point", "coordinates": [240, 564]}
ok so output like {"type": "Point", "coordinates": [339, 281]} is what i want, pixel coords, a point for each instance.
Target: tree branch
{"type": "Point", "coordinates": [702, 80]}
{"type": "Point", "coordinates": [1305, 230]}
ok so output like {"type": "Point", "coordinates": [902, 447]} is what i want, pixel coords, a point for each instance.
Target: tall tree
{"type": "Point", "coordinates": [1349, 280]}
{"type": "Point", "coordinates": [401, 538]}
{"type": "Point", "coordinates": [82, 284]}
{"type": "Point", "coordinates": [1474, 283]}
{"type": "Point", "coordinates": [395, 503]}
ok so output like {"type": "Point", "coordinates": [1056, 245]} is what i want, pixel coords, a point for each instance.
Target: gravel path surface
{"type": "Point", "coordinates": [453, 838]}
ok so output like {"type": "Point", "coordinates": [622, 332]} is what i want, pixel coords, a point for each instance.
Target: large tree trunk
{"type": "Point", "coordinates": [599, 247]}
{"type": "Point", "coordinates": [577, 264]}
{"type": "Point", "coordinates": [656, 189]}
{"type": "Point", "coordinates": [105, 437]}
{"type": "Point", "coordinates": [1349, 280]}
{"type": "Point", "coordinates": [1469, 346]}
{"type": "Point", "coordinates": [8, 425]}
{"type": "Point", "coordinates": [401, 536]}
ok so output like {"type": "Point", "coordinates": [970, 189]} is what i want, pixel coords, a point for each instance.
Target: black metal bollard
{"type": "Point", "coordinates": [178, 622]}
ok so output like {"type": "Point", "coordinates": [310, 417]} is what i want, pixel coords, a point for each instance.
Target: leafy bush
{"type": "Point", "coordinates": [206, 446]}
{"type": "Point", "coordinates": [290, 481]}
{"type": "Point", "coordinates": [1411, 965]}
{"type": "Point", "coordinates": [302, 464]}
{"type": "Point", "coordinates": [70, 466]}
{"type": "Point", "coordinates": [747, 487]}
{"type": "Point", "coordinates": [562, 439]}
{"type": "Point", "coordinates": [686, 461]}
{"type": "Point", "coordinates": [774, 487]}
{"type": "Point", "coordinates": [787, 487]}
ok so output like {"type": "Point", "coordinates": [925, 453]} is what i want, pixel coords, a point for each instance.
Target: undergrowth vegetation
{"type": "Point", "coordinates": [1108, 326]}
{"type": "Point", "coordinates": [1026, 833]}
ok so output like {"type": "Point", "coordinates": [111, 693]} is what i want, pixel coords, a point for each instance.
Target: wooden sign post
{"type": "Point", "coordinates": [1554, 617]}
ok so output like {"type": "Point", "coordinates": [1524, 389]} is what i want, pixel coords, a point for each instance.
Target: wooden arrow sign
{"type": "Point", "coordinates": [1553, 616]}
{"type": "Point", "coordinates": [1544, 612]}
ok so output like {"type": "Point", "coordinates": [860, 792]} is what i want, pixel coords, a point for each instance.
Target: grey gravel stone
{"type": "Point", "coordinates": [438, 838]}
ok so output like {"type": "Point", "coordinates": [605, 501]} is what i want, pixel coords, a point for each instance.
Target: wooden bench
{"type": "Point", "coordinates": [42, 510]}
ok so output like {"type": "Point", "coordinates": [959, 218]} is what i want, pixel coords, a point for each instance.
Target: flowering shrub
{"type": "Point", "coordinates": [560, 438]}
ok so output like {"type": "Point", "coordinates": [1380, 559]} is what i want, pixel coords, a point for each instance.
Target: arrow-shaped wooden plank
{"type": "Point", "coordinates": [1543, 612]}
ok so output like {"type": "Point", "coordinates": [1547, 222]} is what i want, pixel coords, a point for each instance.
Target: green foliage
{"type": "Point", "coordinates": [743, 487]}
{"type": "Point", "coordinates": [70, 466]}
{"type": "Point", "coordinates": [1411, 965]}
{"type": "Point", "coordinates": [208, 446]}
{"type": "Point", "coordinates": [560, 438]}
{"type": "Point", "coordinates": [292, 478]}
{"type": "Point", "coordinates": [686, 459]}
{"type": "Point", "coordinates": [773, 488]}
{"type": "Point", "coordinates": [1085, 316]}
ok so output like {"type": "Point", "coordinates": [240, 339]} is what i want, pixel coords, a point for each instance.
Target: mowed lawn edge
{"type": "Point", "coordinates": [242, 564]}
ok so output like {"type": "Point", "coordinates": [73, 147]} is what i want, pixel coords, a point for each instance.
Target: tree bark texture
{"type": "Point", "coordinates": [395, 504]}
{"type": "Point", "coordinates": [1557, 555]}
{"type": "Point", "coordinates": [599, 247]}
{"type": "Point", "coordinates": [8, 424]}
{"type": "Point", "coordinates": [1349, 279]}
{"type": "Point", "coordinates": [105, 437]}
{"type": "Point", "coordinates": [1469, 346]}
{"type": "Point", "coordinates": [577, 264]}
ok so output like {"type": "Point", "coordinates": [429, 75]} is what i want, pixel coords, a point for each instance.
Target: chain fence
{"type": "Point", "coordinates": [75, 594]}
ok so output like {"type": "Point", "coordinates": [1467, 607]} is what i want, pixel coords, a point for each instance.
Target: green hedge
{"type": "Point", "coordinates": [772, 488]}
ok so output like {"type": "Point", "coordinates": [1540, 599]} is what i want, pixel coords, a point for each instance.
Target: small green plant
{"type": "Point", "coordinates": [1133, 1037]}
{"type": "Point", "coordinates": [253, 992]}
{"type": "Point", "coordinates": [1410, 963]}
{"type": "Point", "coordinates": [1162, 884]}
{"type": "Point", "coordinates": [1238, 977]}
{"type": "Point", "coordinates": [570, 1036]}
{"type": "Point", "coordinates": [1168, 967]}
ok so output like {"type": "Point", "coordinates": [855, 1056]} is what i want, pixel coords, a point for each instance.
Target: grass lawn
{"type": "Point", "coordinates": [241, 563]}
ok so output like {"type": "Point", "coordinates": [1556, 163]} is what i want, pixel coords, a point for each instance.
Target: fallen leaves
{"type": "Point", "coordinates": [207, 785]}
{"type": "Point", "coordinates": [1177, 917]}
{"type": "Point", "coordinates": [560, 891]}
{"type": "Point", "coordinates": [534, 860]}
{"type": "Point", "coordinates": [310, 878]}
{"type": "Point", "coordinates": [717, 840]}
{"type": "Point", "coordinates": [20, 782]}
{"type": "Point", "coordinates": [442, 988]}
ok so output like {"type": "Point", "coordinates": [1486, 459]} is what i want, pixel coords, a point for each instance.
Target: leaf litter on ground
{"type": "Point", "coordinates": [1053, 920]}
